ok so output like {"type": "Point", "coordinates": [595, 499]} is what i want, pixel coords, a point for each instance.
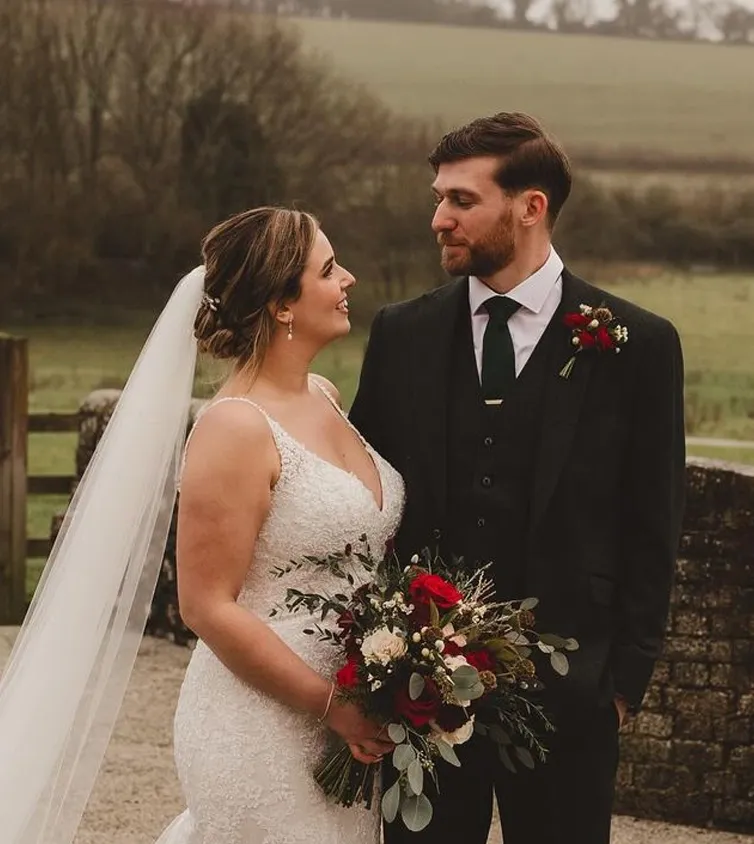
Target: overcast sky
{"type": "Point", "coordinates": [602, 8]}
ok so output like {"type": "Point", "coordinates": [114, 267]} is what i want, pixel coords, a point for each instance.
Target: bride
{"type": "Point", "coordinates": [272, 471]}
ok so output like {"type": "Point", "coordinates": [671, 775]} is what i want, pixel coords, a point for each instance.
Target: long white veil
{"type": "Point", "coordinates": [64, 685]}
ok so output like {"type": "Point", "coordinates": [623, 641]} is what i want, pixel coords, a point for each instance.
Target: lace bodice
{"type": "Point", "coordinates": [316, 507]}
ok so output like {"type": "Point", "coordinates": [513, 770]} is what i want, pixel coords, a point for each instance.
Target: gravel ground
{"type": "Point", "coordinates": [137, 793]}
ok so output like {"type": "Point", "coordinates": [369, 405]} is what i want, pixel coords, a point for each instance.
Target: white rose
{"type": "Point", "coordinates": [459, 736]}
{"type": "Point", "coordinates": [382, 646]}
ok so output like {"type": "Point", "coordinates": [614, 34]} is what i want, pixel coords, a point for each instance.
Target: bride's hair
{"type": "Point", "coordinates": [253, 261]}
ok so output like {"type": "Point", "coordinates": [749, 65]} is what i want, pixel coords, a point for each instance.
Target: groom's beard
{"type": "Point", "coordinates": [492, 253]}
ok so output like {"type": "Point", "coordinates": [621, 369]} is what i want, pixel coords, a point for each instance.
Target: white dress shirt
{"type": "Point", "coordinates": [539, 297]}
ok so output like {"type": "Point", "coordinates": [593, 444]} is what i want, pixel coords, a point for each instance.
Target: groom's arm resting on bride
{"type": "Point", "coordinates": [653, 503]}
{"type": "Point", "coordinates": [231, 467]}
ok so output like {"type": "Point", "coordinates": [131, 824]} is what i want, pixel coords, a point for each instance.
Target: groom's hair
{"type": "Point", "coordinates": [529, 157]}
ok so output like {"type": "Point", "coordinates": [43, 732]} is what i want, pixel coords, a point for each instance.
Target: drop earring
{"type": "Point", "coordinates": [290, 327]}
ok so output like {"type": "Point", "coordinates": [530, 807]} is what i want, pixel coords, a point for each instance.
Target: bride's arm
{"type": "Point", "coordinates": [231, 467]}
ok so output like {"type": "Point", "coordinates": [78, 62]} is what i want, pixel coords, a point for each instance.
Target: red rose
{"type": "Point", "coordinates": [428, 587]}
{"type": "Point", "coordinates": [605, 339]}
{"type": "Point", "coordinates": [586, 340]}
{"type": "Point", "coordinates": [576, 320]}
{"type": "Point", "coordinates": [452, 649]}
{"type": "Point", "coordinates": [421, 711]}
{"type": "Point", "coordinates": [348, 676]}
{"type": "Point", "coordinates": [450, 718]}
{"type": "Point", "coordinates": [481, 659]}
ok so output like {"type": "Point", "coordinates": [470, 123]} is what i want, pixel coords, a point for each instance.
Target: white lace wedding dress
{"type": "Point", "coordinates": [244, 760]}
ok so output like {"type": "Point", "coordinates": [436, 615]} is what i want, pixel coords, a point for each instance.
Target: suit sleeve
{"type": "Point", "coordinates": [368, 405]}
{"type": "Point", "coordinates": [653, 503]}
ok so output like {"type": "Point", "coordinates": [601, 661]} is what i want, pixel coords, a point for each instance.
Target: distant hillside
{"type": "Point", "coordinates": [688, 104]}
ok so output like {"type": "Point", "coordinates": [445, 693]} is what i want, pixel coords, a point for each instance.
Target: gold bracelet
{"type": "Point", "coordinates": [329, 704]}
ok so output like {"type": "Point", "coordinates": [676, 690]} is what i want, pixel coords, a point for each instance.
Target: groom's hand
{"type": "Point", "coordinates": [622, 707]}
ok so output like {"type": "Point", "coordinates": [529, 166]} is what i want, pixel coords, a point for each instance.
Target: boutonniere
{"type": "Point", "coordinates": [593, 328]}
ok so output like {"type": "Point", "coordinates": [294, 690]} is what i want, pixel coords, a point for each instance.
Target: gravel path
{"type": "Point", "coordinates": [137, 793]}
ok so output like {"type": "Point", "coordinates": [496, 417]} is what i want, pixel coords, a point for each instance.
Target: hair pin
{"type": "Point", "coordinates": [210, 301]}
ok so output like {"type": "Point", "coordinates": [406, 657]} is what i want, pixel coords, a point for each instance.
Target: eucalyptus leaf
{"type": "Point", "coordinates": [559, 663]}
{"type": "Point", "coordinates": [506, 759]}
{"type": "Point", "coordinates": [415, 686]}
{"type": "Point", "coordinates": [499, 735]}
{"type": "Point", "coordinates": [415, 774]}
{"type": "Point", "coordinates": [516, 638]}
{"type": "Point", "coordinates": [397, 734]}
{"type": "Point", "coordinates": [552, 639]}
{"type": "Point", "coordinates": [391, 801]}
{"type": "Point", "coordinates": [465, 694]}
{"type": "Point", "coordinates": [448, 753]}
{"type": "Point", "coordinates": [523, 652]}
{"type": "Point", "coordinates": [546, 649]}
{"type": "Point", "coordinates": [465, 675]}
{"type": "Point", "coordinates": [416, 812]}
{"type": "Point", "coordinates": [529, 603]}
{"type": "Point", "coordinates": [403, 756]}
{"type": "Point", "coordinates": [525, 756]}
{"type": "Point", "coordinates": [571, 645]}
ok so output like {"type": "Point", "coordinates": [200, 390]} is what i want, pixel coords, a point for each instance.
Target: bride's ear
{"type": "Point", "coordinates": [281, 314]}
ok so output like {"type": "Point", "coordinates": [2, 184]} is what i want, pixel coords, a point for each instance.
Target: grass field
{"type": "Point", "coordinates": [713, 313]}
{"type": "Point", "coordinates": [605, 94]}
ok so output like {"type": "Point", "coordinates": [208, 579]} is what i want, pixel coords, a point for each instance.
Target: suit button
{"type": "Point", "coordinates": [480, 522]}
{"type": "Point", "coordinates": [437, 533]}
{"type": "Point", "coordinates": [487, 481]}
{"type": "Point", "coordinates": [488, 441]}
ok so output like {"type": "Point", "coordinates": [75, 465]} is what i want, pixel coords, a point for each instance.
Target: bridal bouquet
{"type": "Point", "coordinates": [429, 653]}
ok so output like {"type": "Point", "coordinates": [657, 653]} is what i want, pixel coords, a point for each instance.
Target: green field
{"type": "Point", "coordinates": [714, 315]}
{"type": "Point", "coordinates": [679, 100]}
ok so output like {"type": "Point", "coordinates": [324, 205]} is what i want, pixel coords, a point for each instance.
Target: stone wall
{"type": "Point", "coordinates": [689, 756]}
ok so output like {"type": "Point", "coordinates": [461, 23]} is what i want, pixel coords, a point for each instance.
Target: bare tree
{"type": "Point", "coordinates": [735, 23]}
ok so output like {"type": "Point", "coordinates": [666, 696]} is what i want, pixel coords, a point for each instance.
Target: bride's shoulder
{"type": "Point", "coordinates": [228, 435]}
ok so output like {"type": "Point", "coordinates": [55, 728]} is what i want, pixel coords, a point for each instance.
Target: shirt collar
{"type": "Point", "coordinates": [531, 293]}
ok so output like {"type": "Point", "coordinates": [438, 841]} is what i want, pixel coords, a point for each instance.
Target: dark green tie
{"type": "Point", "coordinates": [498, 354]}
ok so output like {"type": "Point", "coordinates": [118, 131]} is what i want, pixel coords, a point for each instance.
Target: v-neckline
{"type": "Point", "coordinates": [379, 504]}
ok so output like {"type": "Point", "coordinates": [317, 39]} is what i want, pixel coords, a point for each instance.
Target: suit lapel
{"type": "Point", "coordinates": [435, 331]}
{"type": "Point", "coordinates": [563, 399]}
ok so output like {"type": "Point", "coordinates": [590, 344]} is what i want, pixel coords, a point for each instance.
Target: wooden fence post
{"type": "Point", "coordinates": [14, 387]}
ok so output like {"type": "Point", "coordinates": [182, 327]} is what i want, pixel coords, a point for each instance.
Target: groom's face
{"type": "Point", "coordinates": [473, 218]}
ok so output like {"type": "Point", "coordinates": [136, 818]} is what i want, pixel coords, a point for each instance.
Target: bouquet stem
{"type": "Point", "coordinates": [348, 781]}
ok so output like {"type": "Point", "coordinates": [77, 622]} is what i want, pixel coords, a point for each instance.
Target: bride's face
{"type": "Point", "coordinates": [320, 314]}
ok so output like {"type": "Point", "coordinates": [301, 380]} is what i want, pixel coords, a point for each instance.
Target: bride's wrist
{"type": "Point", "coordinates": [326, 710]}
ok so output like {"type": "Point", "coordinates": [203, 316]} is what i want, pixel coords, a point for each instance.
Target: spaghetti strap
{"type": "Point", "coordinates": [275, 428]}
{"type": "Point", "coordinates": [329, 396]}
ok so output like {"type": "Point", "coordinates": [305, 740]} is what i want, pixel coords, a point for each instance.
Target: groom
{"type": "Point", "coordinates": [572, 487]}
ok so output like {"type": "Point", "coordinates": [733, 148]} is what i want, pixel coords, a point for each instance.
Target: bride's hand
{"type": "Point", "coordinates": [361, 734]}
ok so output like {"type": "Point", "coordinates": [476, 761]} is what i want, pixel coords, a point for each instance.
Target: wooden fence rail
{"type": "Point", "coordinates": [14, 396]}
{"type": "Point", "coordinates": [15, 483]}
